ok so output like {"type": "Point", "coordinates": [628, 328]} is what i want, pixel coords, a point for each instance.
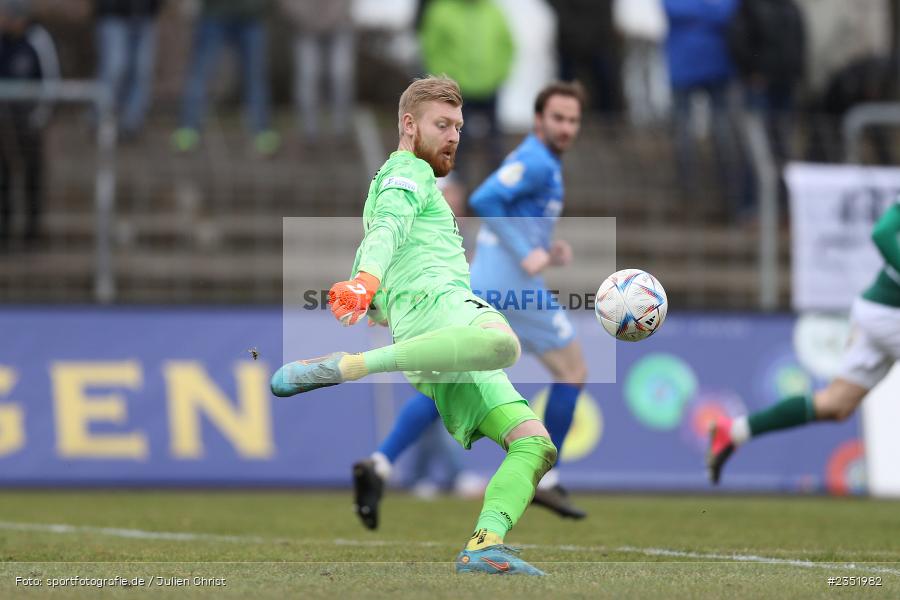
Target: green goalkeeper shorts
{"type": "Point", "coordinates": [463, 399]}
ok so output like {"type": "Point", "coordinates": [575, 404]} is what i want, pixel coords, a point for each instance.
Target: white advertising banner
{"type": "Point", "coordinates": [833, 210]}
{"type": "Point", "coordinates": [881, 413]}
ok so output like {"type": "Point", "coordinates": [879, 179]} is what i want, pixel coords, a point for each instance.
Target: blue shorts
{"type": "Point", "coordinates": [533, 313]}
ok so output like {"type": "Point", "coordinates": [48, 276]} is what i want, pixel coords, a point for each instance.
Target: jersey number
{"type": "Point", "coordinates": [562, 325]}
{"type": "Point", "coordinates": [477, 303]}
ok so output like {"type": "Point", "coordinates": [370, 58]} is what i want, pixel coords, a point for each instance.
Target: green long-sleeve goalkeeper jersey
{"type": "Point", "coordinates": [411, 242]}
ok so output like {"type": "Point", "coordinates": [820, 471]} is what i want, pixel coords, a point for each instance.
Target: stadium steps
{"type": "Point", "coordinates": [262, 232]}
{"type": "Point", "coordinates": [207, 227]}
{"type": "Point", "coordinates": [209, 258]}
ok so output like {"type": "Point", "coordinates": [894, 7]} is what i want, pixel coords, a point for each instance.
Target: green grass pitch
{"type": "Point", "coordinates": [296, 544]}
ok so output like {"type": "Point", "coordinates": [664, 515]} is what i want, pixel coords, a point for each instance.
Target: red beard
{"type": "Point", "coordinates": [440, 164]}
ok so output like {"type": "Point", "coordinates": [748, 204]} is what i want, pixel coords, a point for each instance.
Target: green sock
{"type": "Point", "coordinates": [457, 348]}
{"type": "Point", "coordinates": [512, 487]}
{"type": "Point", "coordinates": [790, 412]}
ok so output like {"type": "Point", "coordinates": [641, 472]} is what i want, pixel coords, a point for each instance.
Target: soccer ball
{"type": "Point", "coordinates": [631, 305]}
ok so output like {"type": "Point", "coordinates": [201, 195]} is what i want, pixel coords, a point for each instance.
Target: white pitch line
{"type": "Point", "coordinates": [212, 537]}
{"type": "Point", "coordinates": [135, 533]}
{"type": "Point", "coordinates": [807, 564]}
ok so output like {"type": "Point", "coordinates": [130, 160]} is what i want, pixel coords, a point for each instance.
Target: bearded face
{"type": "Point", "coordinates": [437, 153]}
{"type": "Point", "coordinates": [437, 136]}
{"type": "Point", "coordinates": [559, 124]}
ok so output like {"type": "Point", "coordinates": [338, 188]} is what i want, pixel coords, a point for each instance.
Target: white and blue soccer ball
{"type": "Point", "coordinates": [631, 305]}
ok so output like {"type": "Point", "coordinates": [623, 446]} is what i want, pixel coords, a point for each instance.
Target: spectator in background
{"type": "Point", "coordinates": [700, 66]}
{"type": "Point", "coordinates": [767, 39]}
{"type": "Point", "coordinates": [645, 80]}
{"type": "Point", "coordinates": [421, 6]}
{"type": "Point", "coordinates": [239, 23]}
{"type": "Point", "coordinates": [324, 37]}
{"type": "Point", "coordinates": [588, 50]}
{"type": "Point", "coordinates": [126, 56]}
{"type": "Point", "coordinates": [839, 32]}
{"type": "Point", "coordinates": [27, 53]}
{"type": "Point", "coordinates": [865, 80]}
{"type": "Point", "coordinates": [470, 41]}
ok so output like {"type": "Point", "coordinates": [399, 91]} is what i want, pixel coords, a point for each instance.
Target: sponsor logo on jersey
{"type": "Point", "coordinates": [511, 174]}
{"type": "Point", "coordinates": [400, 182]}
{"type": "Point", "coordinates": [487, 237]}
{"type": "Point", "coordinates": [553, 208]}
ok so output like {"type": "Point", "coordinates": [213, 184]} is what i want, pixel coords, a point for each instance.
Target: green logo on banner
{"type": "Point", "coordinates": [657, 390]}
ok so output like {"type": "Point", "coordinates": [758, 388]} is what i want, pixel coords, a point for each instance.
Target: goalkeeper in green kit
{"type": "Point", "coordinates": [411, 273]}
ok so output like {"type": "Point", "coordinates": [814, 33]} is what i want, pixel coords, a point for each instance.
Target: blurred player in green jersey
{"type": "Point", "coordinates": [873, 349]}
{"type": "Point", "coordinates": [411, 272]}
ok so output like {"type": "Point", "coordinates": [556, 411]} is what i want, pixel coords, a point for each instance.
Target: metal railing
{"type": "Point", "coordinates": [99, 96]}
{"type": "Point", "coordinates": [860, 118]}
{"type": "Point", "coordinates": [767, 177]}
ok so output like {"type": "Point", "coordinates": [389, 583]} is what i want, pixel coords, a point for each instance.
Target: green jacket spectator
{"type": "Point", "coordinates": [468, 40]}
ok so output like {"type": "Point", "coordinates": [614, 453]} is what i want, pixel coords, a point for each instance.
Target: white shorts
{"type": "Point", "coordinates": [874, 344]}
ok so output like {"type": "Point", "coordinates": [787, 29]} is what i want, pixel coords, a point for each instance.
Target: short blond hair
{"type": "Point", "coordinates": [428, 89]}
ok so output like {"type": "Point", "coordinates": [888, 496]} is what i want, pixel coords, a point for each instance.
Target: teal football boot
{"type": "Point", "coordinates": [303, 376]}
{"type": "Point", "coordinates": [494, 560]}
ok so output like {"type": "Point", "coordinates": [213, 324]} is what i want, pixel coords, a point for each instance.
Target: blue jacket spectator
{"type": "Point", "coordinates": [700, 65]}
{"type": "Point", "coordinates": [697, 46]}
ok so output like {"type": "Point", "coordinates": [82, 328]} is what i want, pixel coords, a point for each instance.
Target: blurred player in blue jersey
{"type": "Point", "coordinates": [519, 205]}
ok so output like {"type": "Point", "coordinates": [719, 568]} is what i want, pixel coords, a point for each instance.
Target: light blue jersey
{"type": "Point", "coordinates": [522, 200]}
{"type": "Point", "coordinates": [520, 204]}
